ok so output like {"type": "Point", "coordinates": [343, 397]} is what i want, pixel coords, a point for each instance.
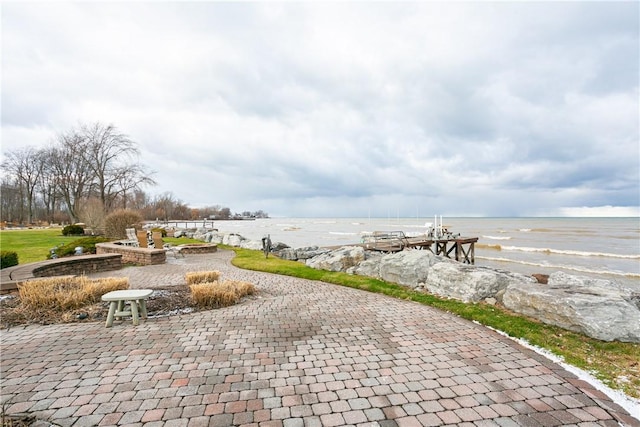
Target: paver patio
{"type": "Point", "coordinates": [300, 353]}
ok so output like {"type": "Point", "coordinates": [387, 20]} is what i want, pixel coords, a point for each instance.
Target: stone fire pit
{"type": "Point", "coordinates": [198, 248]}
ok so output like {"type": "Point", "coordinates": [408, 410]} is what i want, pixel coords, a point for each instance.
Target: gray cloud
{"type": "Point", "coordinates": [344, 108]}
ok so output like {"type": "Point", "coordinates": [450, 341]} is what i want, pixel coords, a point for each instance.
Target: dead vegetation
{"type": "Point", "coordinates": [67, 293]}
{"type": "Point", "coordinates": [208, 292]}
{"type": "Point", "coordinates": [17, 420]}
{"type": "Point", "coordinates": [69, 300]}
{"type": "Point", "coordinates": [195, 277]}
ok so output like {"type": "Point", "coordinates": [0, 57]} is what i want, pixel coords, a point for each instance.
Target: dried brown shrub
{"type": "Point", "coordinates": [220, 294]}
{"type": "Point", "coordinates": [195, 277]}
{"type": "Point", "coordinates": [117, 222]}
{"type": "Point", "coordinates": [66, 293]}
{"type": "Point", "coordinates": [242, 288]}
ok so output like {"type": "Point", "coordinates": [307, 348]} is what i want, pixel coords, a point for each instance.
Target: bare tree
{"type": "Point", "coordinates": [93, 160]}
{"type": "Point", "coordinates": [181, 211]}
{"type": "Point", "coordinates": [139, 201]}
{"type": "Point", "coordinates": [73, 177]}
{"type": "Point", "coordinates": [91, 168]}
{"type": "Point", "coordinates": [26, 166]}
{"type": "Point", "coordinates": [164, 206]}
{"type": "Point", "coordinates": [225, 213]}
{"type": "Point", "coordinates": [111, 156]}
{"type": "Point", "coordinates": [93, 215]}
{"type": "Point", "coordinates": [10, 202]}
{"type": "Point", "coordinates": [127, 181]}
{"type": "Point", "coordinates": [47, 186]}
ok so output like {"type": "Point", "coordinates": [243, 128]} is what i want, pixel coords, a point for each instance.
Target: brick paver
{"type": "Point", "coordinates": [299, 353]}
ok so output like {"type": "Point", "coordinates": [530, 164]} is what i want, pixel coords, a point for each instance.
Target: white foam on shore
{"type": "Point", "coordinates": [631, 405]}
{"type": "Point", "coordinates": [569, 252]}
{"type": "Point", "coordinates": [579, 269]}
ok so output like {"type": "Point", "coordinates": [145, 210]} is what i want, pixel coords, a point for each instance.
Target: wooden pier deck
{"type": "Point", "coordinates": [461, 249]}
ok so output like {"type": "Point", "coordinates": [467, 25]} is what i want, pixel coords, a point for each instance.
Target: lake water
{"type": "Point", "coordinates": [607, 248]}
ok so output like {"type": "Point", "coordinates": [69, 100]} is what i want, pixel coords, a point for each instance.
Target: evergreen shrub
{"type": "Point", "coordinates": [88, 245]}
{"type": "Point", "coordinates": [73, 230]}
{"type": "Point", "coordinates": [8, 259]}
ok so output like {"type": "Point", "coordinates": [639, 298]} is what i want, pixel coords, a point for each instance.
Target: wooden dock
{"type": "Point", "coordinates": [462, 249]}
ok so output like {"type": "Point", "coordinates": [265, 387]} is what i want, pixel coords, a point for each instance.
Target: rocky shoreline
{"type": "Point", "coordinates": [601, 309]}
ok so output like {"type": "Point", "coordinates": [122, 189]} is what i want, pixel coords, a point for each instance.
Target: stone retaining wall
{"type": "Point", "coordinates": [133, 255]}
{"type": "Point", "coordinates": [78, 266]}
{"type": "Point", "coordinates": [67, 266]}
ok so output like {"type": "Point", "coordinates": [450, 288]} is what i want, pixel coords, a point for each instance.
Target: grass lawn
{"type": "Point", "coordinates": [33, 245]}
{"type": "Point", "coordinates": [615, 363]}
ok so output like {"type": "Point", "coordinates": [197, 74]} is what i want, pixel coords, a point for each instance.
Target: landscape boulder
{"type": "Point", "coordinates": [406, 268]}
{"type": "Point", "coordinates": [201, 233]}
{"type": "Point", "coordinates": [179, 233]}
{"type": "Point", "coordinates": [233, 240]}
{"type": "Point", "coordinates": [255, 245]}
{"type": "Point", "coordinates": [338, 260]}
{"type": "Point", "coordinates": [470, 283]}
{"type": "Point", "coordinates": [301, 254]}
{"type": "Point", "coordinates": [287, 253]}
{"type": "Point", "coordinates": [278, 246]}
{"type": "Point", "coordinates": [598, 308]}
{"type": "Point", "coordinates": [370, 267]}
{"type": "Point", "coordinates": [211, 237]}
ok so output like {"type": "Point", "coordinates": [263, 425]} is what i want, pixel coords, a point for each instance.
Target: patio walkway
{"type": "Point", "coordinates": [300, 353]}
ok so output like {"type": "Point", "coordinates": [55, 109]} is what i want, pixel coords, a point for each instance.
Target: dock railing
{"type": "Point", "coordinates": [440, 242]}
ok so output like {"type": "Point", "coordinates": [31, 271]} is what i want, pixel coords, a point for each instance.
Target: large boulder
{"type": "Point", "coordinates": [278, 246]}
{"type": "Point", "coordinates": [201, 234]}
{"type": "Point", "coordinates": [370, 267]}
{"type": "Point", "coordinates": [233, 240]}
{"type": "Point", "coordinates": [179, 233]}
{"type": "Point", "coordinates": [470, 283]}
{"type": "Point", "coordinates": [301, 254]}
{"type": "Point", "coordinates": [255, 245]}
{"type": "Point", "coordinates": [597, 308]}
{"type": "Point", "coordinates": [287, 253]}
{"type": "Point", "coordinates": [213, 237]}
{"type": "Point", "coordinates": [338, 260]}
{"type": "Point", "coordinates": [408, 268]}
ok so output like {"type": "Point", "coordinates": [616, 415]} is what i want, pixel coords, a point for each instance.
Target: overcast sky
{"type": "Point", "coordinates": [345, 108]}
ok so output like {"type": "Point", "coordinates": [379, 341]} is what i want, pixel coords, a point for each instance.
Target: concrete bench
{"type": "Point", "coordinates": [137, 300]}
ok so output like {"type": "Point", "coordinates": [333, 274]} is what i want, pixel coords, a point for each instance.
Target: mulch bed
{"type": "Point", "coordinates": [164, 301]}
